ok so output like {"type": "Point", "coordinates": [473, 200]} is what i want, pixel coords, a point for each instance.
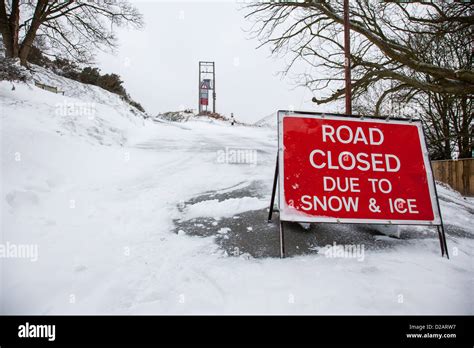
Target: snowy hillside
{"type": "Point", "coordinates": [135, 216]}
{"type": "Point", "coordinates": [268, 121]}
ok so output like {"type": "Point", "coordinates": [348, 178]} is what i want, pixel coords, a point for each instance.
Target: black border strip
{"type": "Point", "coordinates": [222, 330]}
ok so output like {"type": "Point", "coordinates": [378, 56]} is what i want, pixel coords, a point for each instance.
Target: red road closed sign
{"type": "Point", "coordinates": [347, 169]}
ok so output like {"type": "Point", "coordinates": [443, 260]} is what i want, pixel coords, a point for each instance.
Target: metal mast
{"type": "Point", "coordinates": [347, 60]}
{"type": "Point", "coordinates": [207, 82]}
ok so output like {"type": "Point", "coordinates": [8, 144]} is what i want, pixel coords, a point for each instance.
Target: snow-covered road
{"type": "Point", "coordinates": [112, 226]}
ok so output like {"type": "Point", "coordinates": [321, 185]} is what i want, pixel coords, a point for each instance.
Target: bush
{"type": "Point", "coordinates": [11, 70]}
{"type": "Point", "coordinates": [36, 57]}
{"type": "Point", "coordinates": [136, 105]}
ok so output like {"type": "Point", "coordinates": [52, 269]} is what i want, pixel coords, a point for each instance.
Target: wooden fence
{"type": "Point", "coordinates": [459, 174]}
{"type": "Point", "coordinates": [48, 88]}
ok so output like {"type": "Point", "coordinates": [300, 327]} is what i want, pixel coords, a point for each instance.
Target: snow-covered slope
{"type": "Point", "coordinates": [82, 110]}
{"type": "Point", "coordinates": [268, 121]}
{"type": "Point", "coordinates": [100, 196]}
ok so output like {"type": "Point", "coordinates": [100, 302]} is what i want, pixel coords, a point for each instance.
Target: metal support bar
{"type": "Point", "coordinates": [270, 212]}
{"type": "Point", "coordinates": [199, 90]}
{"type": "Point", "coordinates": [347, 59]}
{"type": "Point", "coordinates": [282, 241]}
{"type": "Point", "coordinates": [213, 87]}
{"type": "Point", "coordinates": [442, 240]}
{"type": "Point", "coordinates": [272, 201]}
{"type": "Point", "coordinates": [440, 227]}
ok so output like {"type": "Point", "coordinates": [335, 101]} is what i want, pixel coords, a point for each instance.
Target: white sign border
{"type": "Point", "coordinates": [281, 114]}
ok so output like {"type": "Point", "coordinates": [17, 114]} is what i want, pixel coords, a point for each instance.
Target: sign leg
{"type": "Point", "coordinates": [282, 241]}
{"type": "Point", "coordinates": [441, 242]}
{"type": "Point", "coordinates": [441, 234]}
{"type": "Point", "coordinates": [272, 201]}
{"type": "Point", "coordinates": [444, 241]}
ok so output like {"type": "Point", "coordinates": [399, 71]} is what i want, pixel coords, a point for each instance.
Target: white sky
{"type": "Point", "coordinates": [159, 63]}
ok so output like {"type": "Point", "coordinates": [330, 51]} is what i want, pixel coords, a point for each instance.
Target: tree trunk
{"type": "Point", "coordinates": [447, 144]}
{"type": "Point", "coordinates": [464, 134]}
{"type": "Point", "coordinates": [446, 131]}
{"type": "Point", "coordinates": [465, 146]}
{"type": "Point", "coordinates": [14, 23]}
{"type": "Point", "coordinates": [27, 43]}
{"type": "Point", "coordinates": [9, 28]}
{"type": "Point", "coordinates": [31, 34]}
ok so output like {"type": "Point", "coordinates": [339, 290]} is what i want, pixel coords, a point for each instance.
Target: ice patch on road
{"type": "Point", "coordinates": [223, 209]}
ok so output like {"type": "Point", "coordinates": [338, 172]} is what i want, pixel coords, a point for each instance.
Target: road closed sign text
{"type": "Point", "coordinates": [346, 169]}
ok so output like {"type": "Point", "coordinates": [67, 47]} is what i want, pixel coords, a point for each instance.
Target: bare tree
{"type": "Point", "coordinates": [447, 121]}
{"type": "Point", "coordinates": [66, 28]}
{"type": "Point", "coordinates": [447, 116]}
{"type": "Point", "coordinates": [384, 44]}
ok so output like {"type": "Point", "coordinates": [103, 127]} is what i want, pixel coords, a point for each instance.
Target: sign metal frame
{"type": "Point", "coordinates": [279, 172]}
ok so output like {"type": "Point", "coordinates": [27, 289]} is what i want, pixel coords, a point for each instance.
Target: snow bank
{"type": "Point", "coordinates": [30, 108]}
